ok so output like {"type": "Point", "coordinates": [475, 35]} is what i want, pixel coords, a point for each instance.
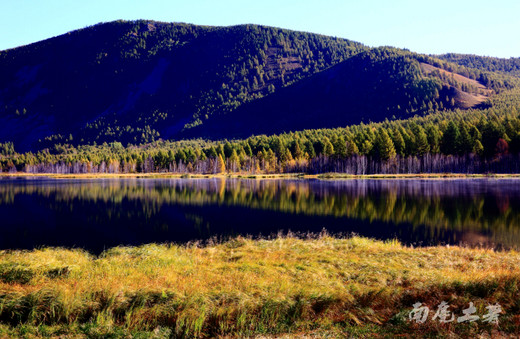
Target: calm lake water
{"type": "Point", "coordinates": [102, 213]}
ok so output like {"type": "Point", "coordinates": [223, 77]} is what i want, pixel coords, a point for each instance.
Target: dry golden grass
{"type": "Point", "coordinates": [243, 287]}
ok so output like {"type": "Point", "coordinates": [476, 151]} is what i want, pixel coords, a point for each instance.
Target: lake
{"type": "Point", "coordinates": [101, 213]}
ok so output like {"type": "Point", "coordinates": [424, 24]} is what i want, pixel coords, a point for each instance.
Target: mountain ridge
{"type": "Point", "coordinates": [139, 81]}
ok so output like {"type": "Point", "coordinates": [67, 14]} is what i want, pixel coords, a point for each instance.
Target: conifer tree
{"type": "Point", "coordinates": [340, 147]}
{"type": "Point", "coordinates": [450, 139]}
{"type": "Point", "coordinates": [433, 135]}
{"type": "Point", "coordinates": [228, 149]}
{"type": "Point", "coordinates": [352, 148]}
{"type": "Point", "coordinates": [465, 142]}
{"type": "Point", "coordinates": [298, 154]}
{"type": "Point", "coordinates": [383, 147]}
{"type": "Point", "coordinates": [399, 145]}
{"type": "Point", "coordinates": [328, 148]}
{"type": "Point", "coordinates": [309, 149]}
{"type": "Point", "coordinates": [478, 148]}
{"type": "Point", "coordinates": [421, 141]}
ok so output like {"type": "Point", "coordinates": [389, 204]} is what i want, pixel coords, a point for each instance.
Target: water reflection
{"type": "Point", "coordinates": [96, 214]}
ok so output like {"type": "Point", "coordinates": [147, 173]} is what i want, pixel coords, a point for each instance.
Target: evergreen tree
{"type": "Point", "coordinates": [434, 136]}
{"type": "Point", "coordinates": [228, 149]}
{"type": "Point", "coordinates": [309, 149]}
{"type": "Point", "coordinates": [352, 148]}
{"type": "Point", "coordinates": [465, 141]}
{"type": "Point", "coordinates": [180, 155]}
{"type": "Point", "coordinates": [491, 132]}
{"type": "Point", "coordinates": [478, 148]}
{"type": "Point", "coordinates": [212, 152]}
{"type": "Point", "coordinates": [475, 133]}
{"type": "Point", "coordinates": [328, 148]}
{"type": "Point", "coordinates": [298, 154]}
{"type": "Point", "coordinates": [319, 146]}
{"type": "Point", "coordinates": [421, 140]}
{"type": "Point", "coordinates": [366, 147]}
{"type": "Point", "coordinates": [277, 145]}
{"type": "Point", "coordinates": [383, 147]}
{"type": "Point", "coordinates": [398, 141]}
{"type": "Point", "coordinates": [409, 141]}
{"type": "Point", "coordinates": [450, 139]}
{"type": "Point", "coordinates": [171, 157]}
{"type": "Point", "coordinates": [220, 150]}
{"type": "Point", "coordinates": [247, 149]}
{"type": "Point", "coordinates": [340, 147]}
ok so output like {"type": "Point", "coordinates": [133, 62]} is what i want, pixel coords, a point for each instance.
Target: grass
{"type": "Point", "coordinates": [319, 287]}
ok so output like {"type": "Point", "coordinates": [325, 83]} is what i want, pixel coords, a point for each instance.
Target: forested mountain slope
{"type": "Point", "coordinates": [370, 86]}
{"type": "Point", "coordinates": [510, 66]}
{"type": "Point", "coordinates": [140, 81]}
{"type": "Point", "coordinates": [134, 81]}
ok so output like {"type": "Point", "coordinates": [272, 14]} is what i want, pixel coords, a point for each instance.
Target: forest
{"type": "Point", "coordinates": [510, 66]}
{"type": "Point", "coordinates": [141, 81]}
{"type": "Point", "coordinates": [182, 98]}
{"type": "Point", "coordinates": [459, 141]}
{"type": "Point", "coordinates": [150, 78]}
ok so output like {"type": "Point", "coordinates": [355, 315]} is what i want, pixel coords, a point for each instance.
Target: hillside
{"type": "Point", "coordinates": [509, 66]}
{"type": "Point", "coordinates": [370, 86]}
{"type": "Point", "coordinates": [130, 80]}
{"type": "Point", "coordinates": [136, 82]}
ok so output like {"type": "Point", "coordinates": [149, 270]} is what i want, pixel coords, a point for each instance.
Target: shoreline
{"type": "Point", "coordinates": [322, 176]}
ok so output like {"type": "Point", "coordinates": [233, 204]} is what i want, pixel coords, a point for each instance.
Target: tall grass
{"type": "Point", "coordinates": [245, 287]}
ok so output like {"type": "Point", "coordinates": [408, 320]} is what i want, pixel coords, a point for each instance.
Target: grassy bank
{"type": "Point", "coordinates": [325, 176]}
{"type": "Point", "coordinates": [319, 287]}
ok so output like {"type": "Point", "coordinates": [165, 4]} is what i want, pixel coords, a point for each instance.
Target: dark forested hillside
{"type": "Point", "coordinates": [370, 86]}
{"type": "Point", "coordinates": [140, 81]}
{"type": "Point", "coordinates": [136, 81]}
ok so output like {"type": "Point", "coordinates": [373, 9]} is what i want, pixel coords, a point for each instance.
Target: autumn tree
{"type": "Point", "coordinates": [220, 165]}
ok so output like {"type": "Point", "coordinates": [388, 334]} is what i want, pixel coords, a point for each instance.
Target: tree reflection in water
{"type": "Point", "coordinates": [96, 214]}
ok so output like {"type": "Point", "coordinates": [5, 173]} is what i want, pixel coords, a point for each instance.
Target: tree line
{"type": "Point", "coordinates": [471, 141]}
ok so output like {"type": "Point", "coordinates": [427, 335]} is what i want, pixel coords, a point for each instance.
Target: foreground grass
{"type": "Point", "coordinates": [325, 287]}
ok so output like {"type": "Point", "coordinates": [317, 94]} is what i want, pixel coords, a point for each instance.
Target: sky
{"type": "Point", "coordinates": [490, 28]}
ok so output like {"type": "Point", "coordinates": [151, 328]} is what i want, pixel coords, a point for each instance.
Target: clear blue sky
{"type": "Point", "coordinates": [488, 27]}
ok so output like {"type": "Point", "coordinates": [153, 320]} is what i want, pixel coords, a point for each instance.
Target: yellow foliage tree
{"type": "Point", "coordinates": [221, 166]}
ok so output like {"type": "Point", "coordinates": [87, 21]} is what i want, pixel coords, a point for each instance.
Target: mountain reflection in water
{"type": "Point", "coordinates": [102, 213]}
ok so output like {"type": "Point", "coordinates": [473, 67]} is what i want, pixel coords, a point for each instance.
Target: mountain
{"type": "Point", "coordinates": [139, 81]}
